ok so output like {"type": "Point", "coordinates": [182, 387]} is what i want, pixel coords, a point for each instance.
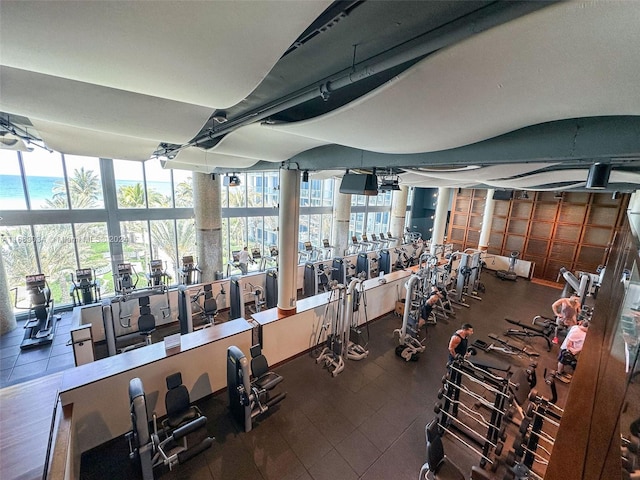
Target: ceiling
{"type": "Point", "coordinates": [522, 95]}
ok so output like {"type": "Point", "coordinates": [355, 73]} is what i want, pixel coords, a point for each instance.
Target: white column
{"type": "Point", "coordinates": [288, 224]}
{"type": "Point", "coordinates": [487, 220]}
{"type": "Point", "coordinates": [399, 211]}
{"type": "Point", "coordinates": [208, 218]}
{"type": "Point", "coordinates": [7, 318]}
{"type": "Point", "coordinates": [440, 222]}
{"type": "Point", "coordinates": [341, 217]}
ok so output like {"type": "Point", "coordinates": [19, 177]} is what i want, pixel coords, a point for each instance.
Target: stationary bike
{"type": "Point", "coordinates": [39, 330]}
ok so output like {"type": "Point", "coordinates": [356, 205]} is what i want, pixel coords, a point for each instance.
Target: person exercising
{"type": "Point", "coordinates": [566, 312]}
{"type": "Point", "coordinates": [458, 344]}
{"type": "Point", "coordinates": [572, 345]}
{"type": "Point", "coordinates": [427, 306]}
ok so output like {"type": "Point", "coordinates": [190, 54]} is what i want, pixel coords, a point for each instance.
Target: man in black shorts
{"type": "Point", "coordinates": [458, 344]}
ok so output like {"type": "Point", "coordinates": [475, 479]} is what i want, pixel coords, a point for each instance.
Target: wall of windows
{"type": "Point", "coordinates": [54, 219]}
{"type": "Point", "coordinates": [54, 216]}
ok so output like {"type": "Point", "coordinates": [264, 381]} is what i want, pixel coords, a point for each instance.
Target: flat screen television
{"type": "Point", "coordinates": [359, 184]}
{"type": "Point", "coordinates": [503, 194]}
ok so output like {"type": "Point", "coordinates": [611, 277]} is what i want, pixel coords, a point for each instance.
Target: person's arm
{"type": "Point", "coordinates": [557, 307]}
{"type": "Point", "coordinates": [453, 343]}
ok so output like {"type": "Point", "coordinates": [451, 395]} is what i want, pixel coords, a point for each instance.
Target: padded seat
{"type": "Point", "coordinates": [439, 464]}
{"type": "Point", "coordinates": [146, 324]}
{"type": "Point", "coordinates": [178, 404]}
{"type": "Point", "coordinates": [263, 378]}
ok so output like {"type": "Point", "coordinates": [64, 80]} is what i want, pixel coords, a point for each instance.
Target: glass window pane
{"type": "Point", "coordinates": [303, 231]}
{"type": "Point", "coordinates": [19, 255]}
{"type": "Point", "coordinates": [159, 188]}
{"type": "Point", "coordinates": [136, 247]}
{"type": "Point", "coordinates": [45, 179]}
{"type": "Point", "coordinates": [186, 233]}
{"type": "Point", "coordinates": [270, 233]}
{"type": "Point", "coordinates": [305, 189]}
{"type": "Point", "coordinates": [315, 232]}
{"type": "Point", "coordinates": [183, 185]}
{"type": "Point", "coordinates": [238, 195]}
{"type": "Point", "coordinates": [93, 252]}
{"type": "Point", "coordinates": [226, 252]}
{"type": "Point", "coordinates": [316, 193]}
{"type": "Point", "coordinates": [129, 184]}
{"type": "Point", "coordinates": [327, 224]}
{"type": "Point", "coordinates": [163, 245]}
{"type": "Point", "coordinates": [85, 183]}
{"type": "Point", "coordinates": [56, 251]}
{"type": "Point", "coordinates": [237, 234]}
{"type": "Point", "coordinates": [11, 188]}
{"type": "Point", "coordinates": [271, 182]}
{"type": "Point", "coordinates": [327, 192]}
{"type": "Point", "coordinates": [254, 189]}
{"type": "Point", "coordinates": [255, 232]}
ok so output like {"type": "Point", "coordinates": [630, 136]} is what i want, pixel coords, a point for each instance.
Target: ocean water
{"type": "Point", "coordinates": [41, 189]}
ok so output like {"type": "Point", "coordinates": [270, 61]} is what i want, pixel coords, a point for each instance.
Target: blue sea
{"type": "Point", "coordinates": [41, 189]}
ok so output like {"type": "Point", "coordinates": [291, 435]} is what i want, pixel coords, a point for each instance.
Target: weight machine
{"type": "Point", "coordinates": [190, 307]}
{"type": "Point", "coordinates": [167, 446]}
{"type": "Point", "coordinates": [333, 353]}
{"type": "Point", "coordinates": [315, 279]}
{"type": "Point", "coordinates": [409, 345]}
{"type": "Point", "coordinates": [384, 261]}
{"type": "Point", "coordinates": [41, 329]}
{"type": "Point", "coordinates": [342, 270]}
{"type": "Point", "coordinates": [367, 265]}
{"type": "Point", "coordinates": [248, 398]}
{"type": "Point", "coordinates": [356, 296]}
{"type": "Point", "coordinates": [85, 290]}
{"type": "Point", "coordinates": [271, 288]}
{"type": "Point", "coordinates": [189, 273]}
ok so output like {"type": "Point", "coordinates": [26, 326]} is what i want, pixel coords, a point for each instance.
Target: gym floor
{"type": "Point", "coordinates": [368, 422]}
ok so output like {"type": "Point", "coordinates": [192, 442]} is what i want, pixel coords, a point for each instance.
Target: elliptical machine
{"type": "Point", "coordinates": [85, 290]}
{"type": "Point", "coordinates": [157, 275]}
{"type": "Point", "coordinates": [41, 329]}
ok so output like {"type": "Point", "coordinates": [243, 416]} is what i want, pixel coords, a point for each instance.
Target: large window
{"type": "Point", "coordinates": [163, 244]}
{"type": "Point", "coordinates": [158, 182]}
{"type": "Point", "coordinates": [45, 180]}
{"type": "Point", "coordinates": [183, 188]}
{"type": "Point", "coordinates": [130, 189]}
{"type": "Point", "coordinates": [19, 254]}
{"type": "Point", "coordinates": [85, 184]}
{"type": "Point", "coordinates": [11, 187]}
{"type": "Point", "coordinates": [136, 246]}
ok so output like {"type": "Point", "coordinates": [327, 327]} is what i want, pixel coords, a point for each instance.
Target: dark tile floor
{"type": "Point", "coordinates": [17, 366]}
{"type": "Point", "coordinates": [367, 423]}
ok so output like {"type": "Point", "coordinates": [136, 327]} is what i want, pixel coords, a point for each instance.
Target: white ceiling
{"type": "Point", "coordinates": [116, 79]}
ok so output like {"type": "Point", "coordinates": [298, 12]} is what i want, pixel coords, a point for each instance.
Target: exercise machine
{"type": "Point", "coordinates": [189, 273]}
{"type": "Point", "coordinates": [342, 270]}
{"type": "Point", "coordinates": [234, 263]}
{"type": "Point", "coordinates": [271, 288]}
{"type": "Point", "coordinates": [236, 303]}
{"type": "Point", "coordinates": [315, 280]}
{"type": "Point", "coordinates": [270, 260]}
{"type": "Point", "coordinates": [356, 297]}
{"type": "Point", "coordinates": [169, 445]}
{"type": "Point", "coordinates": [409, 345]}
{"type": "Point", "coordinates": [248, 398]}
{"type": "Point", "coordinates": [326, 252]}
{"type": "Point", "coordinates": [157, 274]}
{"type": "Point", "coordinates": [86, 288]}
{"type": "Point", "coordinates": [509, 274]}
{"type": "Point", "coordinates": [39, 329]}
{"type": "Point", "coordinates": [124, 280]}
{"type": "Point", "coordinates": [530, 331]}
{"type": "Point", "coordinates": [335, 327]}
{"type": "Point", "coordinates": [384, 261]}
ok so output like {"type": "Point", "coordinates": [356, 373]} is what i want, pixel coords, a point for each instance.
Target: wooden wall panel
{"type": "Point", "coordinates": [569, 229]}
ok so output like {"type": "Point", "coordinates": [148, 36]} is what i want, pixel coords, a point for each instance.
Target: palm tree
{"type": "Point", "coordinates": [84, 190]}
{"type": "Point", "coordinates": [131, 196]}
{"type": "Point", "coordinates": [184, 193]}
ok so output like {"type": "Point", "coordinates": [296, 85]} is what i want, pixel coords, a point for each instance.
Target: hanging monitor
{"type": "Point", "coordinates": [359, 184]}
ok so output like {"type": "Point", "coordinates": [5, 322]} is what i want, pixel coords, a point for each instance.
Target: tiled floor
{"type": "Point", "coordinates": [367, 423]}
{"type": "Point", "coordinates": [17, 366]}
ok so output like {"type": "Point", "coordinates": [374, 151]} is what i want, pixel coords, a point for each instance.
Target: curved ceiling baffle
{"type": "Point", "coordinates": [125, 58]}
{"type": "Point", "coordinates": [506, 78]}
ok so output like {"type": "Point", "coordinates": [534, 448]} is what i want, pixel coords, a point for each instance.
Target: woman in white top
{"type": "Point", "coordinates": [573, 344]}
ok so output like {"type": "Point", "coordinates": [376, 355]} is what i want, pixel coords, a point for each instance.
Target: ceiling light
{"type": "Point", "coordinates": [220, 116]}
{"type": "Point", "coordinates": [598, 178]}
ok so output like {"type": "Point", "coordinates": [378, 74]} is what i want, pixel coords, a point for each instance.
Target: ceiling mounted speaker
{"type": "Point", "coordinates": [598, 177]}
